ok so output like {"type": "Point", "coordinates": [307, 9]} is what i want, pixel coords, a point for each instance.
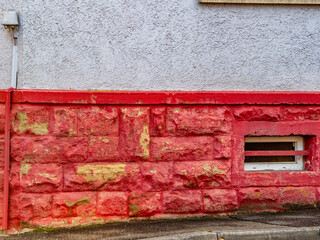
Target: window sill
{"type": "Point", "coordinates": [285, 2]}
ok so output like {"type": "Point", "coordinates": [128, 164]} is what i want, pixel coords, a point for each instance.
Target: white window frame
{"type": "Point", "coordinates": [298, 165]}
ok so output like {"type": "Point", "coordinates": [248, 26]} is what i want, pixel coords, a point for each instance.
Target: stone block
{"type": "Point", "coordinates": [297, 197]}
{"type": "Point", "coordinates": [182, 148]}
{"type": "Point", "coordinates": [98, 121]}
{"type": "Point", "coordinates": [31, 120]}
{"type": "Point", "coordinates": [102, 176]}
{"type": "Point", "coordinates": [157, 176]}
{"type": "Point", "coordinates": [112, 203]}
{"type": "Point", "coordinates": [253, 113]}
{"type": "Point", "coordinates": [300, 113]}
{"type": "Point", "coordinates": [253, 179]}
{"type": "Point", "coordinates": [220, 200]}
{"type": "Point", "coordinates": [134, 133]}
{"type": "Point", "coordinates": [299, 178]}
{"type": "Point", "coordinates": [74, 204]}
{"type": "Point", "coordinates": [40, 178]}
{"type": "Point", "coordinates": [182, 202]}
{"type": "Point", "coordinates": [103, 148]}
{"type": "Point", "coordinates": [144, 204]}
{"type": "Point", "coordinates": [258, 198]}
{"type": "Point", "coordinates": [35, 206]}
{"type": "Point", "coordinates": [74, 149]}
{"type": "Point", "coordinates": [44, 149]}
{"type": "Point", "coordinates": [65, 122]}
{"type": "Point", "coordinates": [209, 174]}
{"type": "Point", "coordinates": [197, 120]}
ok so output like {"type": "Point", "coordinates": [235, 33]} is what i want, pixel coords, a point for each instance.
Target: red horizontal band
{"type": "Point", "coordinates": [162, 97]}
{"type": "Point", "coordinates": [276, 153]}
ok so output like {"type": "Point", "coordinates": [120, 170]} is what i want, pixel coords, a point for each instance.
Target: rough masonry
{"type": "Point", "coordinates": [79, 164]}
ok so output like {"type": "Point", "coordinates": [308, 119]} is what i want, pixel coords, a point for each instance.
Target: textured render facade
{"type": "Point", "coordinates": [95, 156]}
{"type": "Point", "coordinates": [163, 45]}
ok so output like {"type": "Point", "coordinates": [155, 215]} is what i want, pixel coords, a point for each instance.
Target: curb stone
{"type": "Point", "coordinates": [310, 233]}
{"type": "Point", "coordinates": [188, 236]}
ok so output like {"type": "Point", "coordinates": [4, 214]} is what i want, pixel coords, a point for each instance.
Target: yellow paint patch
{"type": "Point", "coordinates": [47, 175]}
{"type": "Point", "coordinates": [124, 113]}
{"type": "Point", "coordinates": [144, 142]}
{"type": "Point", "coordinates": [170, 147]}
{"type": "Point", "coordinates": [303, 191]}
{"type": "Point", "coordinates": [101, 172]}
{"type": "Point", "coordinates": [153, 171]}
{"type": "Point", "coordinates": [79, 202]}
{"type": "Point", "coordinates": [133, 114]}
{"type": "Point", "coordinates": [165, 148]}
{"type": "Point", "coordinates": [36, 128]}
{"type": "Point", "coordinates": [24, 169]}
{"type": "Point", "coordinates": [92, 140]}
{"type": "Point", "coordinates": [93, 98]}
{"type": "Point", "coordinates": [210, 170]}
{"type": "Point", "coordinates": [39, 128]}
{"type": "Point", "coordinates": [134, 209]}
{"type": "Point", "coordinates": [71, 132]}
{"type": "Point", "coordinates": [26, 160]}
{"type": "Point", "coordinates": [79, 101]}
{"type": "Point", "coordinates": [105, 140]}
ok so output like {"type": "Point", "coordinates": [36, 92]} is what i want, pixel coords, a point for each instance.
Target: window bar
{"type": "Point", "coordinates": [276, 153]}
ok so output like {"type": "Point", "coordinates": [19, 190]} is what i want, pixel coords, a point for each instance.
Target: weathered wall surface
{"type": "Point", "coordinates": [165, 45]}
{"type": "Point", "coordinates": [85, 163]}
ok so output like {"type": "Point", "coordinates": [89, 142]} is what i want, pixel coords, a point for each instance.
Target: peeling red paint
{"type": "Point", "coordinates": [144, 204]}
{"type": "Point", "coordinates": [80, 157]}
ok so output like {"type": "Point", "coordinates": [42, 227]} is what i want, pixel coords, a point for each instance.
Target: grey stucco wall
{"type": "Point", "coordinates": [5, 52]}
{"type": "Point", "coordinates": [164, 45]}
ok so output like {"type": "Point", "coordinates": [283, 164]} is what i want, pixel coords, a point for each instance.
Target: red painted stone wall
{"type": "Point", "coordinates": [81, 163]}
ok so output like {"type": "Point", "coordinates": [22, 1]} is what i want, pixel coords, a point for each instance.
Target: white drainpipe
{"type": "Point", "coordinates": [11, 22]}
{"type": "Point", "coordinates": [14, 74]}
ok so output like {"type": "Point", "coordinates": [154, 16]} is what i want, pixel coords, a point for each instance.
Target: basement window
{"type": "Point", "coordinates": [274, 153]}
{"type": "Point", "coordinates": [304, 2]}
